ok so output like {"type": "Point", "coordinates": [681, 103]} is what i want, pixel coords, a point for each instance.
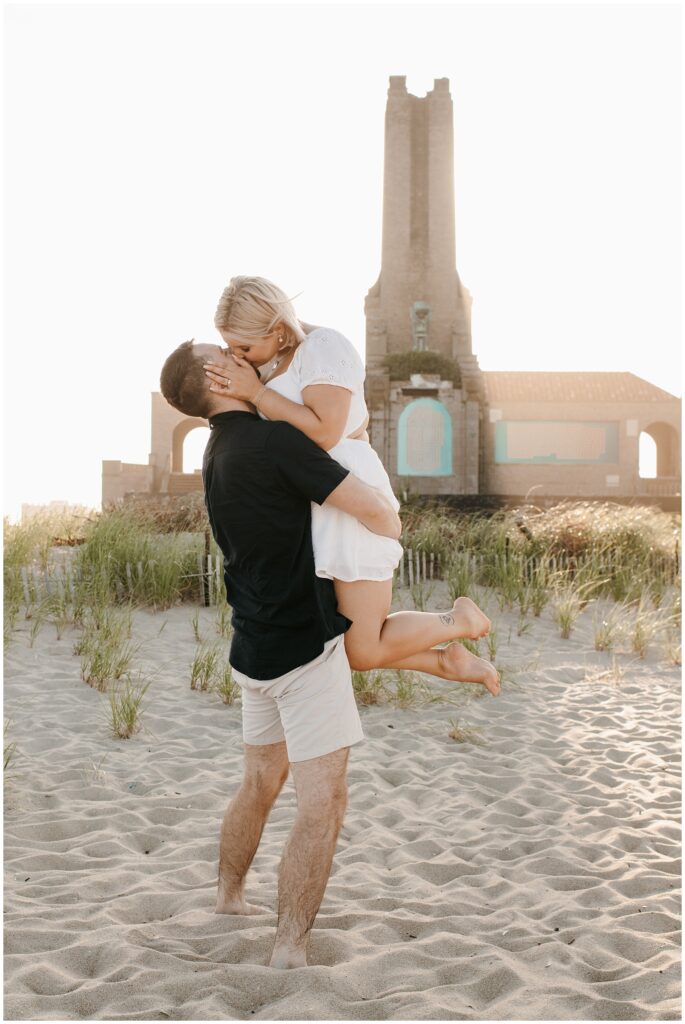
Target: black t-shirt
{"type": "Point", "coordinates": [260, 479]}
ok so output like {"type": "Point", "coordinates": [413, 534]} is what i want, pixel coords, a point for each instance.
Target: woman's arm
{"type": "Point", "coordinates": [322, 418]}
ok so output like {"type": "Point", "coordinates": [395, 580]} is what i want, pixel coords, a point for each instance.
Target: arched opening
{"type": "Point", "coordinates": [666, 441]}
{"type": "Point", "coordinates": [424, 439]}
{"type": "Point", "coordinates": [647, 457]}
{"type": "Point", "coordinates": [181, 431]}
{"type": "Point", "coordinates": [194, 448]}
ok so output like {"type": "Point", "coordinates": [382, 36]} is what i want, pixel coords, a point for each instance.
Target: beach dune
{"type": "Point", "coordinates": [530, 871]}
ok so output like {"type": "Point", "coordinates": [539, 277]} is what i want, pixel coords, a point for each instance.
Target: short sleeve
{"type": "Point", "coordinates": [327, 357]}
{"type": "Point", "coordinates": [302, 466]}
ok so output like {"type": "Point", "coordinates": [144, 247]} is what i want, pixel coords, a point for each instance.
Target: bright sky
{"type": "Point", "coordinates": [154, 151]}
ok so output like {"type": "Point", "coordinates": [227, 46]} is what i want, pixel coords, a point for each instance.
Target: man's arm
{"type": "Point", "coordinates": [366, 504]}
{"type": "Point", "coordinates": [312, 473]}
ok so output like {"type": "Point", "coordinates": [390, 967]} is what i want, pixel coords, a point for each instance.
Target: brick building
{"type": "Point", "coordinates": [440, 424]}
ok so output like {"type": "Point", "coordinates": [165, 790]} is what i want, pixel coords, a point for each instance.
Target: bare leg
{"type": "Point", "coordinates": [377, 638]}
{"type": "Point", "coordinates": [455, 663]}
{"type": "Point", "coordinates": [308, 854]}
{"type": "Point", "coordinates": [266, 769]}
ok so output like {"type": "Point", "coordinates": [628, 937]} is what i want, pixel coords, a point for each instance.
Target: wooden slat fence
{"type": "Point", "coordinates": [37, 584]}
{"type": "Point", "coordinates": [416, 567]}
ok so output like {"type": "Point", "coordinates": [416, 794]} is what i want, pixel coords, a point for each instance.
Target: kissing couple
{"type": "Point", "coordinates": [303, 512]}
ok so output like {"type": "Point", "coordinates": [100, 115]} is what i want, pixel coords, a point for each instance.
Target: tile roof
{"type": "Point", "coordinates": [538, 386]}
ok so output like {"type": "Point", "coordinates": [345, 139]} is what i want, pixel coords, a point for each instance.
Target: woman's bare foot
{"type": "Point", "coordinates": [471, 622]}
{"type": "Point", "coordinates": [238, 907]}
{"type": "Point", "coordinates": [461, 666]}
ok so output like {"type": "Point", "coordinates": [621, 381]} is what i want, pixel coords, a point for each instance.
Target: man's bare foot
{"type": "Point", "coordinates": [238, 907]}
{"type": "Point", "coordinates": [285, 959]}
{"type": "Point", "coordinates": [461, 666]}
{"type": "Point", "coordinates": [471, 622]}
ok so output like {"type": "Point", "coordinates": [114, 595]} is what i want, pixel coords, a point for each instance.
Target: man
{"type": "Point", "coordinates": [287, 651]}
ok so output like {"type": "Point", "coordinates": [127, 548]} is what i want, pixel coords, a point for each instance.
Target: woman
{"type": "Point", "coordinates": [313, 378]}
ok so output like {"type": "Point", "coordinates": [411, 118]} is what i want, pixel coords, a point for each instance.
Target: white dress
{"type": "Point", "coordinates": [343, 548]}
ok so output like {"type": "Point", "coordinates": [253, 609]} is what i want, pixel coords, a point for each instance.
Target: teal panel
{"type": "Point", "coordinates": [501, 441]}
{"type": "Point", "coordinates": [608, 455]}
{"type": "Point", "coordinates": [444, 460]}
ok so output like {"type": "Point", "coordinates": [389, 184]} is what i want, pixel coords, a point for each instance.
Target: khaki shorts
{"type": "Point", "coordinates": [312, 708]}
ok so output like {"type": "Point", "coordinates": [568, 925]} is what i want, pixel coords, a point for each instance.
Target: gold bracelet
{"type": "Point", "coordinates": [258, 397]}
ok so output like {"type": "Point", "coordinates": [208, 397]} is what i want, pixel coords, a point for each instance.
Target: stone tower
{"type": "Point", "coordinates": [419, 304]}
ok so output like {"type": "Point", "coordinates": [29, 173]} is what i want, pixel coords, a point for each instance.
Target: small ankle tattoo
{"type": "Point", "coordinates": [447, 620]}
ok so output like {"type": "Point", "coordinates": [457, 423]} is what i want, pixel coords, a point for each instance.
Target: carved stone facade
{"type": "Point", "coordinates": [426, 433]}
{"type": "Point", "coordinates": [504, 435]}
{"type": "Point", "coordinates": [419, 304]}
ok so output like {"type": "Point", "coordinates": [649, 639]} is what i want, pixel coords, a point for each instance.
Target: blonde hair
{"type": "Point", "coordinates": [250, 307]}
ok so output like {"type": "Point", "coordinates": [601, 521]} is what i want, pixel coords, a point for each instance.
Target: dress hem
{"type": "Point", "coordinates": [354, 579]}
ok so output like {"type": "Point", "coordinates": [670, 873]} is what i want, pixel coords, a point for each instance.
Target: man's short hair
{"type": "Point", "coordinates": [183, 382]}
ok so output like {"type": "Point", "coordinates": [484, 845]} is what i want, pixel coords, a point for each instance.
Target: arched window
{"type": "Point", "coordinates": [647, 457]}
{"type": "Point", "coordinates": [667, 444]}
{"type": "Point", "coordinates": [180, 452]}
{"type": "Point", "coordinates": [194, 447]}
{"type": "Point", "coordinates": [424, 439]}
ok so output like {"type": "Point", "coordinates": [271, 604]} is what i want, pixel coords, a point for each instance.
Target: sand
{"type": "Point", "coordinates": [529, 873]}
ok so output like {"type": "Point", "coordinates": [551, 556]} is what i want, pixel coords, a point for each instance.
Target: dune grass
{"type": "Point", "coordinates": [222, 621]}
{"type": "Point", "coordinates": [205, 667]}
{"type": "Point", "coordinates": [524, 560]}
{"type": "Point", "coordinates": [674, 650]}
{"type": "Point", "coordinates": [461, 575]}
{"type": "Point", "coordinates": [11, 605]}
{"type": "Point", "coordinates": [105, 645]}
{"type": "Point", "coordinates": [614, 675]}
{"type": "Point", "coordinates": [32, 540]}
{"type": "Point", "coordinates": [567, 607]}
{"type": "Point", "coordinates": [396, 687]}
{"type": "Point", "coordinates": [369, 687]}
{"type": "Point", "coordinates": [211, 672]}
{"type": "Point", "coordinates": [128, 562]}
{"type": "Point", "coordinates": [8, 749]}
{"type": "Point", "coordinates": [460, 732]}
{"type": "Point", "coordinates": [94, 774]}
{"type": "Point", "coordinates": [125, 700]}
{"type": "Point", "coordinates": [648, 625]}
{"type": "Point", "coordinates": [63, 608]}
{"type": "Point", "coordinates": [38, 617]}
{"type": "Point", "coordinates": [624, 552]}
{"type": "Point", "coordinates": [409, 690]}
{"type": "Point", "coordinates": [473, 646]}
{"type": "Point", "coordinates": [146, 554]}
{"type": "Point", "coordinates": [421, 593]}
{"type": "Point", "coordinates": [225, 685]}
{"type": "Point", "coordinates": [676, 608]}
{"type": "Point", "coordinates": [118, 556]}
{"type": "Point", "coordinates": [609, 627]}
{"type": "Point", "coordinates": [491, 644]}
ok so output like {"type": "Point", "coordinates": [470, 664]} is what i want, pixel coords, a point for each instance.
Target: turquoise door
{"type": "Point", "coordinates": [424, 439]}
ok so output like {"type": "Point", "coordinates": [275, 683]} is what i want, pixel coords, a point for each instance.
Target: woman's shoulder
{"type": "Point", "coordinates": [326, 332]}
{"type": "Point", "coordinates": [327, 357]}
{"type": "Point", "coordinates": [326, 342]}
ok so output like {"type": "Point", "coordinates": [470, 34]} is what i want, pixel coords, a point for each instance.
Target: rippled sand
{"type": "Point", "coordinates": [530, 874]}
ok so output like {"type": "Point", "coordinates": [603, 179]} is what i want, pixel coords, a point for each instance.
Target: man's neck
{"type": "Point", "coordinates": [228, 405]}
